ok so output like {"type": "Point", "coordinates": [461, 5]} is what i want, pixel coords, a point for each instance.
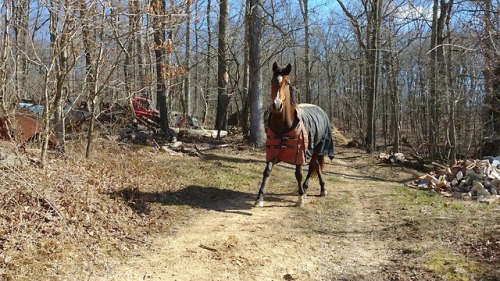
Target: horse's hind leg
{"type": "Point", "coordinates": [265, 177]}
{"type": "Point", "coordinates": [321, 162]}
{"type": "Point", "coordinates": [302, 192]}
{"type": "Point", "coordinates": [313, 167]}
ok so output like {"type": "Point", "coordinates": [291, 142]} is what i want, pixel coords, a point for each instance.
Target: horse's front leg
{"type": "Point", "coordinates": [265, 177]}
{"type": "Point", "coordinates": [302, 193]}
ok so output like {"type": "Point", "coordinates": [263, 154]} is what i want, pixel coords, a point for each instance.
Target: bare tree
{"type": "Point", "coordinates": [257, 131]}
{"type": "Point", "coordinates": [387, 72]}
{"type": "Point", "coordinates": [160, 48]}
{"type": "Point", "coordinates": [222, 73]}
{"type": "Point", "coordinates": [489, 44]}
{"type": "Point", "coordinates": [304, 8]}
{"type": "Point", "coordinates": [208, 62]}
{"type": "Point", "coordinates": [187, 63]}
{"type": "Point", "coordinates": [90, 65]}
{"type": "Point", "coordinates": [6, 44]}
{"type": "Point", "coordinates": [373, 10]}
{"type": "Point", "coordinates": [62, 32]}
{"type": "Point", "coordinates": [440, 12]}
{"type": "Point", "coordinates": [21, 28]}
{"type": "Point", "coordinates": [245, 111]}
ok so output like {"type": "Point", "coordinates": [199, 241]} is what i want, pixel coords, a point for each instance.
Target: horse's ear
{"type": "Point", "coordinates": [275, 67]}
{"type": "Point", "coordinates": [287, 70]}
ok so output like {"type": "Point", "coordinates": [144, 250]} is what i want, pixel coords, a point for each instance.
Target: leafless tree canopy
{"type": "Point", "coordinates": [391, 72]}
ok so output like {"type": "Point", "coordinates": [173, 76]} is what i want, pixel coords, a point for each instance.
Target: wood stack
{"type": "Point", "coordinates": [476, 179]}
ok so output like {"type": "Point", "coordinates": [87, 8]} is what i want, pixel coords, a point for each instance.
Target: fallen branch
{"type": "Point", "coordinates": [208, 248]}
{"type": "Point", "coordinates": [212, 147]}
{"type": "Point", "coordinates": [439, 165]}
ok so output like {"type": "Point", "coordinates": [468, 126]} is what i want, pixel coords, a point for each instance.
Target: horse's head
{"type": "Point", "coordinates": [280, 86]}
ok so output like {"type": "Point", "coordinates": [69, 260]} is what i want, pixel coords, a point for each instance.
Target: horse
{"type": "Point", "coordinates": [296, 134]}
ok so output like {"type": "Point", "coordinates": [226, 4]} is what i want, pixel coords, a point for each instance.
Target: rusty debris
{"type": "Point", "coordinates": [21, 128]}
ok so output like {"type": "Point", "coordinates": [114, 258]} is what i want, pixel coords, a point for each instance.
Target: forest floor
{"type": "Point", "coordinates": [135, 213]}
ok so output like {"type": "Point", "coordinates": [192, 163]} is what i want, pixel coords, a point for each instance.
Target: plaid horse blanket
{"type": "Point", "coordinates": [312, 134]}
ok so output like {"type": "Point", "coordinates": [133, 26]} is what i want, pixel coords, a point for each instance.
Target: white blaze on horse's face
{"type": "Point", "coordinates": [278, 103]}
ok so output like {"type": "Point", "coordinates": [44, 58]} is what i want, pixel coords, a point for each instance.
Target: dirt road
{"type": "Point", "coordinates": [234, 242]}
{"type": "Point", "coordinates": [366, 229]}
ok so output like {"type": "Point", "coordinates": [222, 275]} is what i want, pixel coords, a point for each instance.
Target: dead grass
{"type": "Point", "coordinates": [62, 219]}
{"type": "Point", "coordinates": [79, 216]}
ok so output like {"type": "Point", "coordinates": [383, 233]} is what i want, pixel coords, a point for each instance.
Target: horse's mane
{"type": "Point", "coordinates": [293, 100]}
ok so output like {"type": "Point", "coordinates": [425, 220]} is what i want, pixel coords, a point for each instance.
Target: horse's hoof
{"type": "Point", "coordinates": [301, 201]}
{"type": "Point", "coordinates": [259, 203]}
{"type": "Point", "coordinates": [323, 193]}
{"type": "Point", "coordinates": [299, 204]}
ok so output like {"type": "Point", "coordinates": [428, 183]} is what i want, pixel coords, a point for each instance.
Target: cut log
{"type": "Point", "coordinates": [202, 133]}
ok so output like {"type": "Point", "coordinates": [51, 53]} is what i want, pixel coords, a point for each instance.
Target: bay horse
{"type": "Point", "coordinates": [296, 133]}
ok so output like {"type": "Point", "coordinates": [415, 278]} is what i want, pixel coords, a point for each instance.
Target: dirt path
{"type": "Point", "coordinates": [331, 238]}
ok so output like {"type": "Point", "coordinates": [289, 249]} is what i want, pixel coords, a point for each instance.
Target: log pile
{"type": "Point", "coordinates": [465, 179]}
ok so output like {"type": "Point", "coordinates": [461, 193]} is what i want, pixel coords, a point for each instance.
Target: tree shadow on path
{"type": "Point", "coordinates": [210, 198]}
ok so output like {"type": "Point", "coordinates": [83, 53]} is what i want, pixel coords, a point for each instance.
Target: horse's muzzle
{"type": "Point", "coordinates": [278, 105]}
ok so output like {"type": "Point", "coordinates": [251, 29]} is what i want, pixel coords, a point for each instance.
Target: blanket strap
{"type": "Point", "coordinates": [282, 138]}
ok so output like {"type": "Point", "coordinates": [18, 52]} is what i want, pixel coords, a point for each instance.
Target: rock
{"type": "Point", "coordinates": [490, 200]}
{"type": "Point", "coordinates": [458, 195]}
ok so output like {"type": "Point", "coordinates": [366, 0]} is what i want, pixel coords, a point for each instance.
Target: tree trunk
{"type": "Point", "coordinates": [304, 8]}
{"type": "Point", "coordinates": [222, 72]}
{"type": "Point", "coordinates": [90, 71]}
{"type": "Point", "coordinates": [159, 42]}
{"type": "Point", "coordinates": [450, 88]}
{"type": "Point", "coordinates": [59, 50]}
{"type": "Point", "coordinates": [128, 65]}
{"type": "Point", "coordinates": [21, 28]}
{"type": "Point", "coordinates": [395, 102]}
{"type": "Point", "coordinates": [374, 23]}
{"type": "Point", "coordinates": [432, 123]}
{"type": "Point", "coordinates": [141, 49]}
{"type": "Point", "coordinates": [209, 64]}
{"type": "Point", "coordinates": [491, 130]}
{"type": "Point", "coordinates": [369, 79]}
{"type": "Point", "coordinates": [245, 96]}
{"type": "Point", "coordinates": [437, 73]}
{"type": "Point", "coordinates": [3, 57]}
{"type": "Point", "coordinates": [187, 77]}
{"type": "Point", "coordinates": [257, 130]}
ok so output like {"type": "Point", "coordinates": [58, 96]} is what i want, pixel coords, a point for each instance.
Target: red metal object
{"type": "Point", "coordinates": [21, 128]}
{"type": "Point", "coordinates": [144, 109]}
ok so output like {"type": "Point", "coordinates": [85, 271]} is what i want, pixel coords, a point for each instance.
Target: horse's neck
{"type": "Point", "coordinates": [283, 122]}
